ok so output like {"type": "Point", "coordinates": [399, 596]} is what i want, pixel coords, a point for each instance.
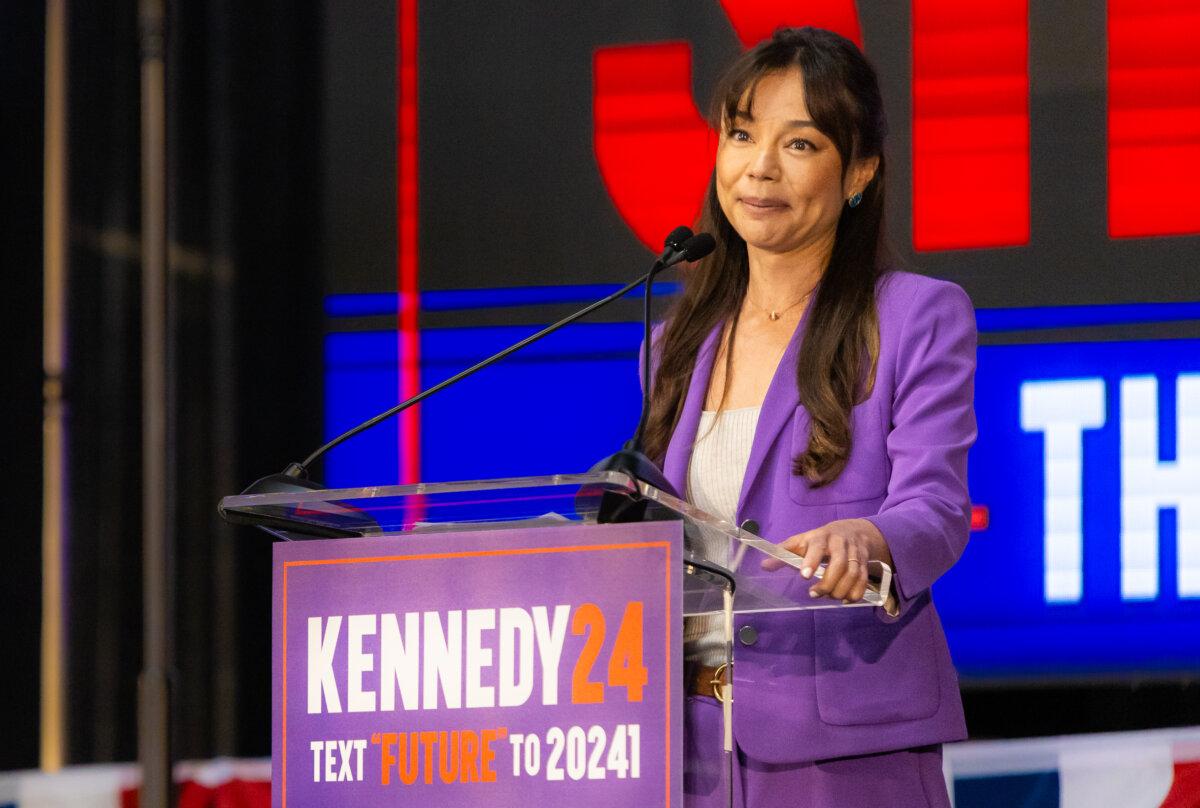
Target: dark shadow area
{"type": "Point", "coordinates": [22, 80]}
{"type": "Point", "coordinates": [1039, 710]}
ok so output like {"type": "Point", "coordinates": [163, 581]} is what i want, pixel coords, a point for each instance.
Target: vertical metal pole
{"type": "Point", "coordinates": [222, 209]}
{"type": "Point", "coordinates": [54, 360]}
{"type": "Point", "coordinates": [154, 696]}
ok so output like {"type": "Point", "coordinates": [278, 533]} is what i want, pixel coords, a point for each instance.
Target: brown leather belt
{"type": "Point", "coordinates": [706, 680]}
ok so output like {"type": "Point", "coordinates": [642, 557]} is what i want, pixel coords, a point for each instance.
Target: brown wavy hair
{"type": "Point", "coordinates": [836, 366]}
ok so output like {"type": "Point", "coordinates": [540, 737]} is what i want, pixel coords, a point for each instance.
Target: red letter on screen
{"type": "Point", "coordinates": [755, 20]}
{"type": "Point", "coordinates": [654, 150]}
{"type": "Point", "coordinates": [1153, 117]}
{"type": "Point", "coordinates": [970, 123]}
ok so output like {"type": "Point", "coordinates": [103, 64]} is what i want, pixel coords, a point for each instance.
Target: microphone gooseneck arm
{"type": "Point", "coordinates": [691, 248]}
{"type": "Point", "coordinates": [632, 460]}
{"type": "Point", "coordinates": [675, 248]}
{"type": "Point", "coordinates": [636, 443]}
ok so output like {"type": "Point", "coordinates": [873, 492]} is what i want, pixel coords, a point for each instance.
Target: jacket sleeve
{"type": "Point", "coordinates": [926, 516]}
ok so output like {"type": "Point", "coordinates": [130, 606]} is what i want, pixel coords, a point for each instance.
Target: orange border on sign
{"type": "Point", "coordinates": [474, 553]}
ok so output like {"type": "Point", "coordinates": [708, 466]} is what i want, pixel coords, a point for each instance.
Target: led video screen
{"type": "Point", "coordinates": [531, 157]}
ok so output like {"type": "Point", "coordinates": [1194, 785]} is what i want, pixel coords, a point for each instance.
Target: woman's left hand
{"type": "Point", "coordinates": [845, 546]}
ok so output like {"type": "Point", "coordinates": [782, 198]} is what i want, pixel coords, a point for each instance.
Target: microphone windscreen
{"type": "Point", "coordinates": [677, 236]}
{"type": "Point", "coordinates": [697, 247]}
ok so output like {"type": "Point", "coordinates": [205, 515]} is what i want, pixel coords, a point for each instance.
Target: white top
{"type": "Point", "coordinates": [715, 475]}
{"type": "Point", "coordinates": [719, 460]}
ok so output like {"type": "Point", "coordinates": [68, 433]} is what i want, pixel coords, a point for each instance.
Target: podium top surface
{"type": "Point", "coordinates": [462, 505]}
{"type": "Point", "coordinates": [720, 556]}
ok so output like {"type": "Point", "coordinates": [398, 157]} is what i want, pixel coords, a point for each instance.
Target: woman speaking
{"type": "Point", "coordinates": [802, 384]}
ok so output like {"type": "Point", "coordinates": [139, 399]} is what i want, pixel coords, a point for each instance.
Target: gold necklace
{"type": "Point", "coordinates": [773, 314]}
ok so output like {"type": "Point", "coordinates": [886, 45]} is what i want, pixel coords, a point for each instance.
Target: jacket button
{"type": "Point", "coordinates": [747, 635]}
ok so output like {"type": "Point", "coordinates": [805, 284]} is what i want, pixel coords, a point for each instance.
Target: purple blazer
{"type": "Point", "coordinates": [831, 683]}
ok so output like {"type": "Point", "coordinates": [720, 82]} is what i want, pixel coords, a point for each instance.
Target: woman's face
{"type": "Point", "coordinates": [779, 179]}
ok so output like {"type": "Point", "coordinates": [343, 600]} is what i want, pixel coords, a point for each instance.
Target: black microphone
{"type": "Point", "coordinates": [632, 459]}
{"type": "Point", "coordinates": [671, 245]}
{"type": "Point", "coordinates": [678, 246]}
{"type": "Point", "coordinates": [697, 247]}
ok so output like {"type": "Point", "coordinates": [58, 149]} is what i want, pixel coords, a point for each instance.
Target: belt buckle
{"type": "Point", "coordinates": [718, 683]}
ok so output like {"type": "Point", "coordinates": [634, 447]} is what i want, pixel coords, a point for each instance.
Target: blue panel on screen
{"type": "Point", "coordinates": [386, 303]}
{"type": "Point", "coordinates": [1039, 317]}
{"type": "Point", "coordinates": [557, 406]}
{"type": "Point", "coordinates": [998, 320]}
{"type": "Point", "coordinates": [361, 380]}
{"type": "Point", "coordinates": [1009, 607]}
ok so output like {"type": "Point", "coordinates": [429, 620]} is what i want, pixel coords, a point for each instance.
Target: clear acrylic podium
{"type": "Point", "coordinates": [723, 576]}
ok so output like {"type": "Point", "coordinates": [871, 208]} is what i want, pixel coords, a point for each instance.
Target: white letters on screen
{"type": "Point", "coordinates": [1061, 410]}
{"type": "Point", "coordinates": [1148, 484]}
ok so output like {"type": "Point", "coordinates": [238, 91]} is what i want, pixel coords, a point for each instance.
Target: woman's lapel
{"type": "Point", "coordinates": [679, 450]}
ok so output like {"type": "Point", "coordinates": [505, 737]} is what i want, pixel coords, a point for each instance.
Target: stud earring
{"type": "Point", "coordinates": [854, 200]}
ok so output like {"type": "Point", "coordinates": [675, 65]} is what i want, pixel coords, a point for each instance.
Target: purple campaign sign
{"type": "Point", "coordinates": [527, 666]}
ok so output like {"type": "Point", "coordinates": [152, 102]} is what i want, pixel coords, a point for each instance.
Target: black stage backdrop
{"type": "Point", "coordinates": [22, 72]}
{"type": "Point", "coordinates": [246, 291]}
